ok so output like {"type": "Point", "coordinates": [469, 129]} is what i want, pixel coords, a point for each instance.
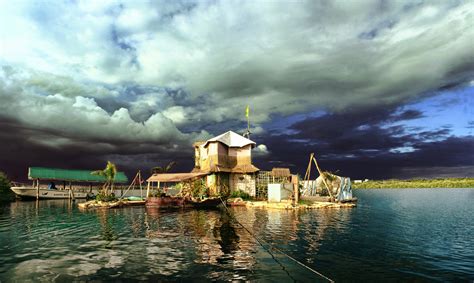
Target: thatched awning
{"type": "Point", "coordinates": [240, 169]}
{"type": "Point", "coordinates": [281, 172]}
{"type": "Point", "coordinates": [174, 177]}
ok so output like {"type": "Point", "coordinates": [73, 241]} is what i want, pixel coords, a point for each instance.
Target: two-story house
{"type": "Point", "coordinates": [227, 160]}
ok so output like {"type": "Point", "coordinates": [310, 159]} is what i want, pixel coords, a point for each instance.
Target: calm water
{"type": "Point", "coordinates": [422, 235]}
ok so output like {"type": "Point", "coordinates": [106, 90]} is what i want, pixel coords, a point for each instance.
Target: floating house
{"type": "Point", "coordinates": [227, 161]}
{"type": "Point", "coordinates": [223, 163]}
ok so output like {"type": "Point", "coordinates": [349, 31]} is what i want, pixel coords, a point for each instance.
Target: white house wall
{"type": "Point", "coordinates": [243, 182]}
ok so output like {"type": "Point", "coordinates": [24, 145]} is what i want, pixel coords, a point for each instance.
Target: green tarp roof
{"type": "Point", "coordinates": [70, 175]}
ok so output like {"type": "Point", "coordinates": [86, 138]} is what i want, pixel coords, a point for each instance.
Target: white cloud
{"type": "Point", "coordinates": [260, 150]}
{"type": "Point", "coordinates": [80, 117]}
{"type": "Point", "coordinates": [278, 57]}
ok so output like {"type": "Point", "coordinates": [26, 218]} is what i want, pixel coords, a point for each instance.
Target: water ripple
{"type": "Point", "coordinates": [423, 235]}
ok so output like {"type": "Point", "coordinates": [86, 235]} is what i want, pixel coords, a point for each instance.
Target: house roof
{"type": "Point", "coordinates": [241, 168]}
{"type": "Point", "coordinates": [55, 174]}
{"type": "Point", "coordinates": [231, 139]}
{"type": "Point", "coordinates": [281, 172]}
{"type": "Point", "coordinates": [174, 177]}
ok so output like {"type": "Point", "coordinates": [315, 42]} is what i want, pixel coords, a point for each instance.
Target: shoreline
{"type": "Point", "coordinates": [448, 183]}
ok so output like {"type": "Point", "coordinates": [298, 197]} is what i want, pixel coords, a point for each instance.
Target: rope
{"type": "Point", "coordinates": [277, 249]}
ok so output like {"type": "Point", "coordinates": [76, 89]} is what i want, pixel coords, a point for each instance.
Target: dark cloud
{"type": "Point", "coordinates": [361, 145]}
{"type": "Point", "coordinates": [139, 82]}
{"type": "Point", "coordinates": [23, 146]}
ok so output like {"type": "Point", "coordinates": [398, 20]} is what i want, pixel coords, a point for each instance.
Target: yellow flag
{"type": "Point", "coordinates": [247, 110]}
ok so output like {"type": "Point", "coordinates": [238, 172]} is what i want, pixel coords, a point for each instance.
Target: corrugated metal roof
{"type": "Point", "coordinates": [231, 139]}
{"type": "Point", "coordinates": [174, 177]}
{"type": "Point", "coordinates": [71, 175]}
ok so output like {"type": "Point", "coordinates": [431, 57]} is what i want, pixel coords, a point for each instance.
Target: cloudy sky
{"type": "Point", "coordinates": [376, 89]}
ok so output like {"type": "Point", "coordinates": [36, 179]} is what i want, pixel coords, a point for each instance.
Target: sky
{"type": "Point", "coordinates": [376, 89]}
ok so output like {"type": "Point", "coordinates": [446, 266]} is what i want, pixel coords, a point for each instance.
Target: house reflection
{"type": "Point", "coordinates": [226, 234]}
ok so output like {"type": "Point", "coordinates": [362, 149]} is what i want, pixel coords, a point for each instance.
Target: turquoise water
{"type": "Point", "coordinates": [422, 235]}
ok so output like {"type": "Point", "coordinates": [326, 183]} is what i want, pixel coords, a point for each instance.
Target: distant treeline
{"type": "Point", "coordinates": [416, 183]}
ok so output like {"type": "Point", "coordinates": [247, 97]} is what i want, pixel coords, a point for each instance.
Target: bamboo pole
{"type": "Point", "coordinates": [131, 184]}
{"type": "Point", "coordinates": [322, 175]}
{"type": "Point", "coordinates": [140, 183]}
{"type": "Point", "coordinates": [307, 175]}
{"type": "Point", "coordinates": [308, 169]}
{"type": "Point", "coordinates": [37, 189]}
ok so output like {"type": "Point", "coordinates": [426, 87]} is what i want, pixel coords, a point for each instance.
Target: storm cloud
{"type": "Point", "coordinates": [139, 82]}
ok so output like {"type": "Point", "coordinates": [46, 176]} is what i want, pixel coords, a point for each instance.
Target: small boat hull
{"type": "Point", "coordinates": [205, 203]}
{"type": "Point", "coordinates": [177, 202]}
{"type": "Point", "coordinates": [164, 202]}
{"type": "Point", "coordinates": [30, 193]}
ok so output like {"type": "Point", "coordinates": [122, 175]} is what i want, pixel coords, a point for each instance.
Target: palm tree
{"type": "Point", "coordinates": [109, 173]}
{"type": "Point", "coordinates": [163, 169]}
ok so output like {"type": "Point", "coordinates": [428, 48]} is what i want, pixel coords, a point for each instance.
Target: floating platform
{"type": "Point", "coordinates": [112, 204]}
{"type": "Point", "coordinates": [289, 205]}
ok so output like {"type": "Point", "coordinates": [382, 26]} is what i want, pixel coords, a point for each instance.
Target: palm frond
{"type": "Point", "coordinates": [169, 166]}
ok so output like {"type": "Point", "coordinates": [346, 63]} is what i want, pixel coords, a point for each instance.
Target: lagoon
{"type": "Point", "coordinates": [393, 234]}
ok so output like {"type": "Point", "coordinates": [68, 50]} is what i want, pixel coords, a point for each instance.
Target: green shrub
{"type": "Point", "coordinates": [240, 194]}
{"type": "Point", "coordinates": [5, 193]}
{"type": "Point", "coordinates": [102, 196]}
{"type": "Point", "coordinates": [305, 202]}
{"type": "Point", "coordinates": [199, 189]}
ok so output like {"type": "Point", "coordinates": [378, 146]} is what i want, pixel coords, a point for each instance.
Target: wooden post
{"type": "Point", "coordinates": [140, 183]}
{"type": "Point", "coordinates": [148, 189]}
{"type": "Point", "coordinates": [296, 191]}
{"type": "Point", "coordinates": [71, 194]}
{"type": "Point", "coordinates": [37, 189]}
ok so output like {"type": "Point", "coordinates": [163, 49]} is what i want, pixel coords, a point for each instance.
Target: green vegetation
{"type": "Point", "coordinates": [109, 173]}
{"type": "Point", "coordinates": [199, 189]}
{"type": "Point", "coordinates": [240, 194]}
{"type": "Point", "coordinates": [5, 193]}
{"type": "Point", "coordinates": [163, 169]}
{"type": "Point", "coordinates": [416, 183]}
{"type": "Point", "coordinates": [101, 196]}
{"type": "Point", "coordinates": [305, 202]}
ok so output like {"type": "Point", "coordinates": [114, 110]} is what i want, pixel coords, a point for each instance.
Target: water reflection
{"type": "Point", "coordinates": [107, 231]}
{"type": "Point", "coordinates": [226, 235]}
{"type": "Point", "coordinates": [389, 235]}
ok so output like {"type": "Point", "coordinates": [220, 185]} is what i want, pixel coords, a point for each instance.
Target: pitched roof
{"type": "Point", "coordinates": [281, 172]}
{"type": "Point", "coordinates": [242, 169]}
{"type": "Point", "coordinates": [56, 174]}
{"type": "Point", "coordinates": [231, 139]}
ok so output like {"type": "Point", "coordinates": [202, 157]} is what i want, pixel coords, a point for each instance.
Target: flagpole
{"type": "Point", "coordinates": [247, 114]}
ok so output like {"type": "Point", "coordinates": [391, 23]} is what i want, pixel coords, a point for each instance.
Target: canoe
{"type": "Point", "coordinates": [236, 202]}
{"type": "Point", "coordinates": [164, 202]}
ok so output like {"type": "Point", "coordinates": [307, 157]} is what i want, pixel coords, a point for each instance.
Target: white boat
{"type": "Point", "coordinates": [31, 192]}
{"type": "Point", "coordinates": [64, 176]}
